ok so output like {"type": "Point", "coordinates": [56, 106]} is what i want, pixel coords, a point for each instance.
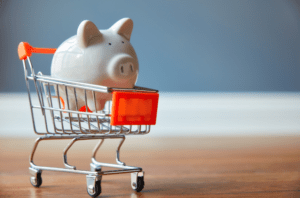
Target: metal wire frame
{"type": "Point", "coordinates": [74, 122]}
{"type": "Point", "coordinates": [122, 168]}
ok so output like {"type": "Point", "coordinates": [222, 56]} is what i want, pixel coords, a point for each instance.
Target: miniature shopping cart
{"type": "Point", "coordinates": [131, 112]}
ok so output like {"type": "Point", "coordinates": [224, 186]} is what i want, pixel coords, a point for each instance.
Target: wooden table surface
{"type": "Point", "coordinates": [174, 167]}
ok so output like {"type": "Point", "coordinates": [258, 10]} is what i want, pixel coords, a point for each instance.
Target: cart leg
{"type": "Point", "coordinates": [97, 147]}
{"type": "Point", "coordinates": [118, 152]}
{"type": "Point", "coordinates": [65, 154]}
{"type": "Point", "coordinates": [137, 181]}
{"type": "Point", "coordinates": [36, 178]}
{"type": "Point", "coordinates": [93, 185]}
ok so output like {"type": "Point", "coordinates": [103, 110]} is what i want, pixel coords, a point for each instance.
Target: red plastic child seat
{"type": "Point", "coordinates": [134, 108]}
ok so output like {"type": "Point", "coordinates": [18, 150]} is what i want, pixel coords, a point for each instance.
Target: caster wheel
{"type": "Point", "coordinates": [36, 182]}
{"type": "Point", "coordinates": [140, 184]}
{"type": "Point", "coordinates": [96, 191]}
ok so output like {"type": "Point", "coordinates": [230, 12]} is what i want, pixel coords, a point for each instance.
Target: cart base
{"type": "Point", "coordinates": [94, 176]}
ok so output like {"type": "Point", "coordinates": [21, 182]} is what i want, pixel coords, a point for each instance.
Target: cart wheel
{"type": "Point", "coordinates": [36, 182]}
{"type": "Point", "coordinates": [96, 192]}
{"type": "Point", "coordinates": [139, 184]}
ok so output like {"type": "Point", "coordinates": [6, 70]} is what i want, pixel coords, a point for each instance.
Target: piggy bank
{"type": "Point", "coordinates": [100, 57]}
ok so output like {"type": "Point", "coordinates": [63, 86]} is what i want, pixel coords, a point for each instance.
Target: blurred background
{"type": "Point", "coordinates": [222, 67]}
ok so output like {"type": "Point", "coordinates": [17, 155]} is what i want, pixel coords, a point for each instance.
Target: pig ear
{"type": "Point", "coordinates": [123, 27]}
{"type": "Point", "coordinates": [86, 33]}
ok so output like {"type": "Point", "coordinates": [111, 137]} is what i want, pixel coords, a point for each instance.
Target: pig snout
{"type": "Point", "coordinates": [122, 67]}
{"type": "Point", "coordinates": [126, 69]}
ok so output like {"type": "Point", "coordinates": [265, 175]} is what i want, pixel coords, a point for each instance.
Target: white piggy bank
{"type": "Point", "coordinates": [101, 57]}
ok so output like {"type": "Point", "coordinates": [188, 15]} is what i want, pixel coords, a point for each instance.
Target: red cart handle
{"type": "Point", "coordinates": [24, 50]}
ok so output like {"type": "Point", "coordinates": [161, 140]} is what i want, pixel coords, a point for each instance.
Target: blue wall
{"type": "Point", "coordinates": [211, 45]}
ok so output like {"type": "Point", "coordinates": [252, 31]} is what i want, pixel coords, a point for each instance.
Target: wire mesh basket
{"type": "Point", "coordinates": [130, 112]}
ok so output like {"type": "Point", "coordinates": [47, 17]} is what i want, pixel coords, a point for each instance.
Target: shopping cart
{"type": "Point", "coordinates": [131, 112]}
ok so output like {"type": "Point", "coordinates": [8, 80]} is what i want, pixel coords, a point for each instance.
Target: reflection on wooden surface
{"type": "Point", "coordinates": [174, 167]}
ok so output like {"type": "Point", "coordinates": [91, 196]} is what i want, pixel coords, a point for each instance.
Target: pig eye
{"type": "Point", "coordinates": [122, 41]}
{"type": "Point", "coordinates": [109, 43]}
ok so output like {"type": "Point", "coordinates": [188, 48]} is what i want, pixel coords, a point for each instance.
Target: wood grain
{"type": "Point", "coordinates": [174, 167]}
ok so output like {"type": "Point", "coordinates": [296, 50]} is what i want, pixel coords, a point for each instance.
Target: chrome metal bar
{"type": "Point", "coordinates": [110, 89]}
{"type": "Point", "coordinates": [145, 88]}
{"type": "Point", "coordinates": [63, 170]}
{"type": "Point", "coordinates": [110, 127]}
{"type": "Point", "coordinates": [68, 106]}
{"type": "Point", "coordinates": [110, 172]}
{"type": "Point", "coordinates": [51, 105]}
{"type": "Point", "coordinates": [94, 99]}
{"type": "Point", "coordinates": [82, 137]}
{"type": "Point", "coordinates": [34, 149]}
{"type": "Point", "coordinates": [29, 96]}
{"type": "Point", "coordinates": [102, 133]}
{"type": "Point", "coordinates": [65, 155]}
{"type": "Point", "coordinates": [86, 110]}
{"type": "Point", "coordinates": [70, 111]}
{"type": "Point", "coordinates": [35, 84]}
{"type": "Point", "coordinates": [103, 88]}
{"type": "Point", "coordinates": [59, 105]}
{"type": "Point", "coordinates": [128, 130]}
{"type": "Point", "coordinates": [96, 149]}
{"type": "Point", "coordinates": [89, 124]}
{"type": "Point", "coordinates": [118, 152]}
{"type": "Point", "coordinates": [86, 87]}
{"type": "Point", "coordinates": [71, 82]}
{"type": "Point", "coordinates": [83, 130]}
{"type": "Point", "coordinates": [45, 117]}
{"type": "Point", "coordinates": [136, 131]}
{"type": "Point", "coordinates": [114, 165]}
{"type": "Point", "coordinates": [82, 119]}
{"type": "Point", "coordinates": [78, 116]}
{"type": "Point", "coordinates": [149, 127]}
